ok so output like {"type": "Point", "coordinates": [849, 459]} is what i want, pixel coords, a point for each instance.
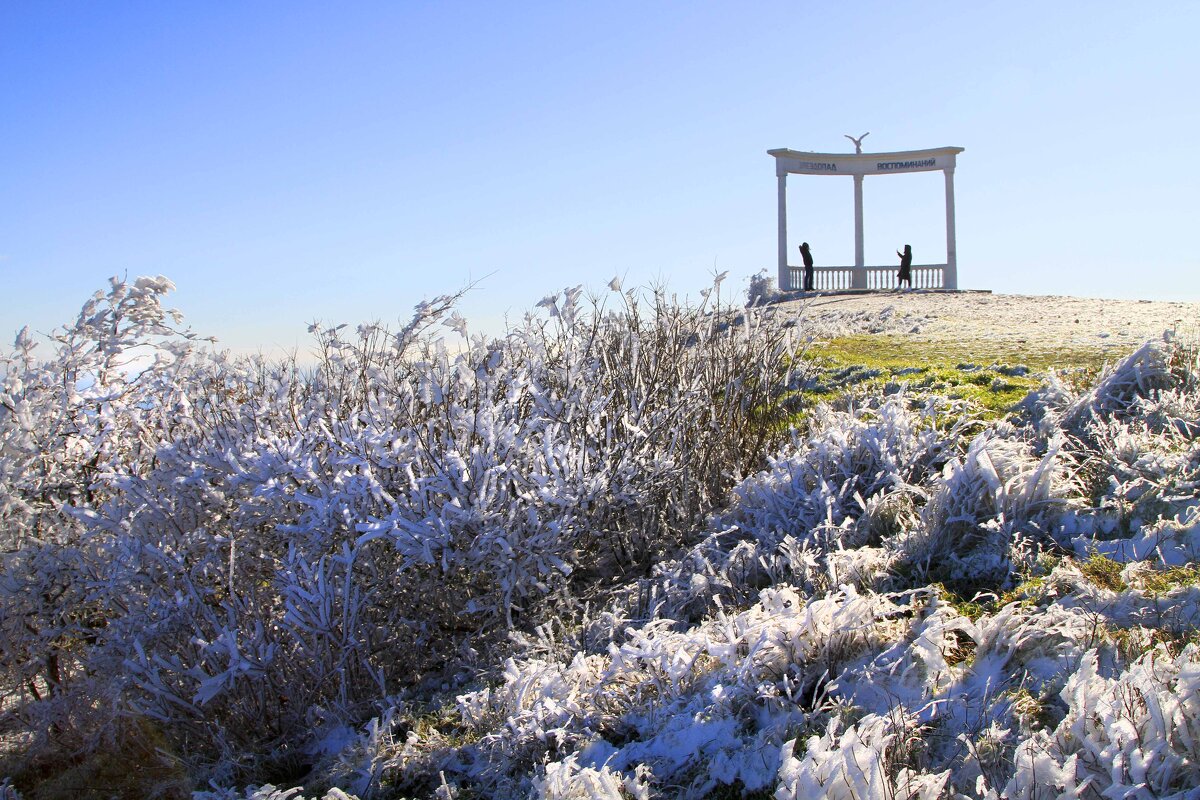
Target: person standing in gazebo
{"type": "Point", "coordinates": [808, 266]}
{"type": "Point", "coordinates": [905, 273]}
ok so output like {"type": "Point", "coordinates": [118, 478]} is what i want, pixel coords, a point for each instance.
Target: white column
{"type": "Point", "coordinates": [785, 278]}
{"type": "Point", "coordinates": [860, 274]}
{"type": "Point", "coordinates": [950, 280]}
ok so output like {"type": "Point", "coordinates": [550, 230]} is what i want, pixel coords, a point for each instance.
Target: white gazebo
{"type": "Point", "coordinates": [857, 165]}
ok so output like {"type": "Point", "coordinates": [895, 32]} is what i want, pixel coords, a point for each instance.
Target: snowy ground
{"type": "Point", "coordinates": [1036, 321]}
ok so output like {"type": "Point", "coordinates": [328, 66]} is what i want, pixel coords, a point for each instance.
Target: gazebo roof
{"type": "Point", "coordinates": [807, 163]}
{"type": "Point", "coordinates": [783, 152]}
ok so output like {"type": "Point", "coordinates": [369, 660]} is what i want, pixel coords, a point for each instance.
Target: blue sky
{"type": "Point", "coordinates": [286, 162]}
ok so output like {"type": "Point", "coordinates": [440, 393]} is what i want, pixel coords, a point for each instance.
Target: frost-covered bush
{"type": "Point", "coordinates": [98, 408]}
{"type": "Point", "coordinates": [846, 461]}
{"type": "Point", "coordinates": [761, 290]}
{"type": "Point", "coordinates": [1131, 441]}
{"type": "Point", "coordinates": [701, 708]}
{"type": "Point", "coordinates": [845, 484]}
{"type": "Point", "coordinates": [1136, 734]}
{"type": "Point", "coordinates": [995, 503]}
{"type": "Point", "coordinates": [251, 556]}
{"type": "Point", "coordinates": [270, 792]}
{"type": "Point", "coordinates": [566, 780]}
{"type": "Point", "coordinates": [1153, 368]}
{"type": "Point", "coordinates": [861, 761]}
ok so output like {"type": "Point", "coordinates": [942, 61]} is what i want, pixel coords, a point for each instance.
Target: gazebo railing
{"type": "Point", "coordinates": [832, 279]}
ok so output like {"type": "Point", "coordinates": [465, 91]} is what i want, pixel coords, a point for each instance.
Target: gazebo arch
{"type": "Point", "coordinates": [858, 165]}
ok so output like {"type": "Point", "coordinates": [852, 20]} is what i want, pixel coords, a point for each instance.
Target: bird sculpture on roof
{"type": "Point", "coordinates": [858, 141]}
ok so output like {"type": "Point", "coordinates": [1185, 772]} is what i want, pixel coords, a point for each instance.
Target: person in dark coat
{"type": "Point", "coordinates": [905, 273]}
{"type": "Point", "coordinates": [808, 266]}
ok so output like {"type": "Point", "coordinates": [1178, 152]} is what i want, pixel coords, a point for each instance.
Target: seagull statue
{"type": "Point", "coordinates": [858, 141]}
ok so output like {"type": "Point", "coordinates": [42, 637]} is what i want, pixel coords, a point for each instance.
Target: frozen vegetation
{"type": "Point", "coordinates": [593, 558]}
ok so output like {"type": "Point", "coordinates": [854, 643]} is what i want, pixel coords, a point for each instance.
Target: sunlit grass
{"type": "Point", "coordinates": [993, 376]}
{"type": "Point", "coordinates": [899, 350]}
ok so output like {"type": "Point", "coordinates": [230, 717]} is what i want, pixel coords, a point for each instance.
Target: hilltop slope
{"type": "Point", "coordinates": [1032, 320]}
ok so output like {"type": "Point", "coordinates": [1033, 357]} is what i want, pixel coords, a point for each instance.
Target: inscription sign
{"type": "Point", "coordinates": [885, 166]}
{"type": "Point", "coordinates": [818, 166]}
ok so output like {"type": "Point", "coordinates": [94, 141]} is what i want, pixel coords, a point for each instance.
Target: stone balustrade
{"type": "Point", "coordinates": [833, 279]}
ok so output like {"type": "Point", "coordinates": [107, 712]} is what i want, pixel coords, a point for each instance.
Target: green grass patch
{"type": "Point", "coordinates": [1104, 572]}
{"type": "Point", "coordinates": [993, 377]}
{"type": "Point", "coordinates": [1033, 711]}
{"type": "Point", "coordinates": [1163, 581]}
{"type": "Point", "coordinates": [900, 350]}
{"type": "Point", "coordinates": [1030, 592]}
{"type": "Point", "coordinates": [971, 609]}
